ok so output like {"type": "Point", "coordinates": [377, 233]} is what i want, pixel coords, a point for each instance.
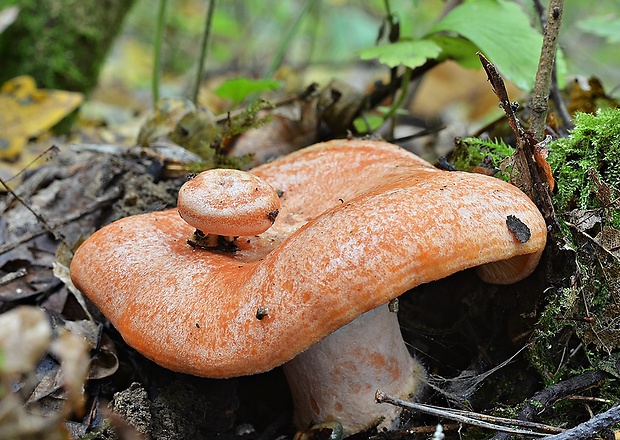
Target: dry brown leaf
{"type": "Point", "coordinates": [25, 334]}
{"type": "Point", "coordinates": [27, 112]}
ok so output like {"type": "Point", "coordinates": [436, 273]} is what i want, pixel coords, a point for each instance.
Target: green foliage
{"type": "Point", "coordinates": [238, 89]}
{"type": "Point", "coordinates": [470, 153]}
{"type": "Point", "coordinates": [585, 314]}
{"type": "Point", "coordinates": [209, 141]}
{"type": "Point", "coordinates": [594, 145]}
{"type": "Point", "coordinates": [368, 123]}
{"type": "Point", "coordinates": [409, 53]}
{"type": "Point", "coordinates": [607, 27]}
{"type": "Point", "coordinates": [551, 335]}
{"type": "Point", "coordinates": [498, 28]}
{"type": "Point", "coordinates": [502, 31]}
{"type": "Point", "coordinates": [458, 49]}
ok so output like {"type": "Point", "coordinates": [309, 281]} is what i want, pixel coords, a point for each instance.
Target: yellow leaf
{"type": "Point", "coordinates": [27, 112]}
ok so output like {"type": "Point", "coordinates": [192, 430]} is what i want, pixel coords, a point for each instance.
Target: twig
{"type": "Point", "coordinates": [286, 39]}
{"type": "Point", "coordinates": [534, 180]}
{"type": "Point", "coordinates": [12, 276]}
{"type": "Point", "coordinates": [467, 417]}
{"type": "Point", "coordinates": [384, 91]}
{"type": "Point", "coordinates": [555, 95]}
{"type": "Point", "coordinates": [539, 99]}
{"type": "Point", "coordinates": [159, 36]}
{"type": "Point", "coordinates": [52, 151]}
{"type": "Point", "coordinates": [544, 398]}
{"type": "Point", "coordinates": [502, 420]}
{"type": "Point", "coordinates": [98, 203]}
{"type": "Point", "coordinates": [57, 235]}
{"type": "Point", "coordinates": [593, 427]}
{"type": "Point", "coordinates": [204, 45]}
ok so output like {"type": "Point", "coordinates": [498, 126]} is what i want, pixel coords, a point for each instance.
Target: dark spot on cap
{"type": "Point", "coordinates": [261, 312]}
{"type": "Point", "coordinates": [272, 215]}
{"type": "Point", "coordinates": [518, 228]}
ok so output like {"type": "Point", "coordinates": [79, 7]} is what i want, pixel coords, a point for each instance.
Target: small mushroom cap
{"type": "Point", "coordinates": [361, 222]}
{"type": "Point", "coordinates": [228, 202]}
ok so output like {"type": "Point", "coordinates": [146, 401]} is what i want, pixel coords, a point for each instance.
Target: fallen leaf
{"type": "Point", "coordinates": [28, 112]}
{"type": "Point", "coordinates": [25, 334]}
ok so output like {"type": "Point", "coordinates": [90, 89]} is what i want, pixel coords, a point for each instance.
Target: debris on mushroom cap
{"type": "Point", "coordinates": [228, 202]}
{"type": "Point", "coordinates": [361, 222]}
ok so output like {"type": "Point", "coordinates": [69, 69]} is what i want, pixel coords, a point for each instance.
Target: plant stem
{"type": "Point", "coordinates": [286, 40]}
{"type": "Point", "coordinates": [204, 44]}
{"type": "Point", "coordinates": [159, 33]}
{"type": "Point", "coordinates": [539, 101]}
{"type": "Point", "coordinates": [401, 98]}
{"type": "Point", "coordinates": [388, 9]}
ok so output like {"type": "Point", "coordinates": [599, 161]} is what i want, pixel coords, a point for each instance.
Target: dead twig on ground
{"type": "Point", "coordinates": [548, 396]}
{"type": "Point", "coordinates": [481, 420]}
{"type": "Point", "coordinates": [57, 235]}
{"type": "Point", "coordinates": [52, 225]}
{"type": "Point", "coordinates": [593, 427]}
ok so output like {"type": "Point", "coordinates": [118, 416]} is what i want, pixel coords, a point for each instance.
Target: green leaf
{"type": "Point", "coordinates": [458, 49]}
{"type": "Point", "coordinates": [502, 31]}
{"type": "Point", "coordinates": [238, 89]}
{"type": "Point", "coordinates": [409, 53]}
{"type": "Point", "coordinates": [368, 124]}
{"type": "Point", "coordinates": [607, 27]}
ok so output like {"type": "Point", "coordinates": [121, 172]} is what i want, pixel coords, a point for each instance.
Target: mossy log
{"type": "Point", "coordinates": [61, 43]}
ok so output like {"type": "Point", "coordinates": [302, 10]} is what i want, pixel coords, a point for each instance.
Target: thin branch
{"type": "Point", "coordinates": [539, 99]}
{"type": "Point", "coordinates": [555, 95]}
{"type": "Point", "coordinates": [593, 427]}
{"type": "Point", "coordinates": [548, 396]}
{"type": "Point", "coordinates": [204, 48]}
{"type": "Point", "coordinates": [398, 103]}
{"type": "Point", "coordinates": [384, 91]}
{"type": "Point", "coordinates": [532, 176]}
{"type": "Point", "coordinates": [469, 418]}
{"type": "Point", "coordinates": [286, 39]}
{"type": "Point", "coordinates": [99, 203]}
{"type": "Point", "coordinates": [50, 152]}
{"type": "Point", "coordinates": [159, 36]}
{"type": "Point", "coordinates": [57, 235]}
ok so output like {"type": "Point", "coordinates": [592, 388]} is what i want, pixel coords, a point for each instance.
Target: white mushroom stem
{"type": "Point", "coordinates": [336, 379]}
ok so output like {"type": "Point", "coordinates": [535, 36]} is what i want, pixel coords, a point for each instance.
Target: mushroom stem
{"type": "Point", "coordinates": [336, 379]}
{"type": "Point", "coordinates": [213, 242]}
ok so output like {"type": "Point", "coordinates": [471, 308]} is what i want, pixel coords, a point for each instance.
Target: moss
{"type": "Point", "coordinates": [590, 155]}
{"type": "Point", "coordinates": [591, 152]}
{"type": "Point", "coordinates": [61, 43]}
{"type": "Point", "coordinates": [198, 133]}
{"type": "Point", "coordinates": [489, 156]}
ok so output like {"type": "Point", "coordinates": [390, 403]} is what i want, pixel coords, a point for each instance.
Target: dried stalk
{"type": "Point", "coordinates": [539, 99]}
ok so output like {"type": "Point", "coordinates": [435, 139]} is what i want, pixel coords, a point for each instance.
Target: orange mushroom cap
{"type": "Point", "coordinates": [361, 222]}
{"type": "Point", "coordinates": [228, 202]}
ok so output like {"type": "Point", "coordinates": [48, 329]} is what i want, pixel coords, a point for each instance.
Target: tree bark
{"type": "Point", "coordinates": [61, 43]}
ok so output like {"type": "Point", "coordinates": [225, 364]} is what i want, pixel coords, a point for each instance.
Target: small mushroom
{"type": "Point", "coordinates": [360, 223]}
{"type": "Point", "coordinates": [227, 203]}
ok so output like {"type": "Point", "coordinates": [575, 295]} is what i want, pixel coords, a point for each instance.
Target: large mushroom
{"type": "Point", "coordinates": [360, 223]}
